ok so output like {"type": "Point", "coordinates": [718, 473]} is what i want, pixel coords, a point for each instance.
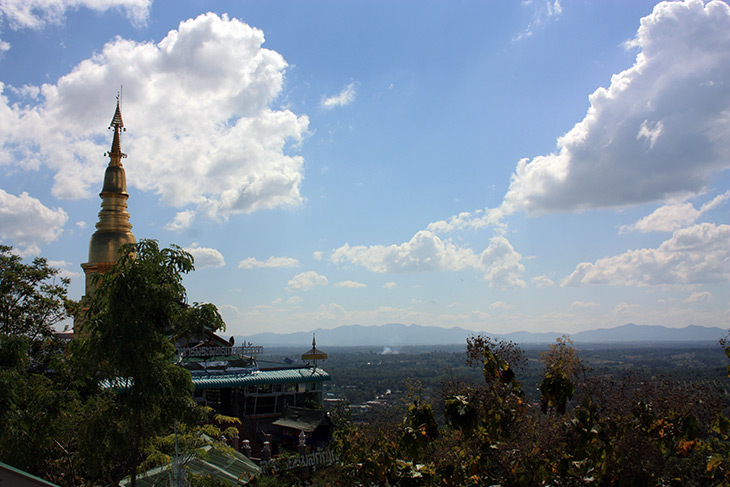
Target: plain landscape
{"type": "Point", "coordinates": [377, 373]}
{"type": "Point", "coordinates": [397, 334]}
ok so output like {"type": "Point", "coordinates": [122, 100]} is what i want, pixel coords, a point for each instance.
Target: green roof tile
{"type": "Point", "coordinates": [279, 376]}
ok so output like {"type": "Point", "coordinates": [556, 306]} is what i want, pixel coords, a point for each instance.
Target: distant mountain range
{"type": "Point", "coordinates": [396, 334]}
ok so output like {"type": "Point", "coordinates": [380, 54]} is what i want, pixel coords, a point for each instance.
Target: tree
{"type": "Point", "coordinates": [37, 398]}
{"type": "Point", "coordinates": [135, 314]}
{"type": "Point", "coordinates": [562, 367]}
{"type": "Point", "coordinates": [32, 298]}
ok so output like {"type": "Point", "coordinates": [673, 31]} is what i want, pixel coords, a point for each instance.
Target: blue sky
{"type": "Point", "coordinates": [499, 166]}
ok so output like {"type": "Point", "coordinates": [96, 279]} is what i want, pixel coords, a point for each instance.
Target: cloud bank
{"type": "Point", "coordinates": [306, 281]}
{"type": "Point", "coordinates": [659, 130]}
{"type": "Point", "coordinates": [206, 257]}
{"type": "Point", "coordinates": [674, 216]}
{"type": "Point", "coordinates": [699, 254]}
{"type": "Point", "coordinates": [28, 222]}
{"type": "Point", "coordinates": [426, 252]}
{"type": "Point", "coordinates": [197, 107]}
{"type": "Point", "coordinates": [253, 263]}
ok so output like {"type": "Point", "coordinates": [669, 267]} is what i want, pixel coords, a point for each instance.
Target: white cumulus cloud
{"type": "Point", "coordinates": [206, 257]}
{"type": "Point", "coordinates": [201, 130]}
{"type": "Point", "coordinates": [306, 281]}
{"type": "Point", "coordinates": [659, 130]}
{"type": "Point", "coordinates": [695, 255]}
{"type": "Point", "coordinates": [501, 264]}
{"type": "Point", "coordinates": [271, 262]}
{"type": "Point", "coordinates": [27, 223]}
{"type": "Point", "coordinates": [672, 217]}
{"type": "Point", "coordinates": [542, 281]}
{"type": "Point", "coordinates": [182, 220]}
{"type": "Point", "coordinates": [63, 269]}
{"type": "Point", "coordinates": [426, 252]}
{"type": "Point", "coordinates": [489, 217]}
{"type": "Point", "coordinates": [350, 284]}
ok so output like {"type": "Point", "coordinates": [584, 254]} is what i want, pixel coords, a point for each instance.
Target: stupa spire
{"type": "Point", "coordinates": [113, 228]}
{"type": "Point", "coordinates": [115, 154]}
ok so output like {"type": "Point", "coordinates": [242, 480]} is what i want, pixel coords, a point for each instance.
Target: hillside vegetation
{"type": "Point", "coordinates": [505, 416]}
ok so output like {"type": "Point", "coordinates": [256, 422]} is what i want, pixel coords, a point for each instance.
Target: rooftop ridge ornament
{"type": "Point", "coordinates": [314, 354]}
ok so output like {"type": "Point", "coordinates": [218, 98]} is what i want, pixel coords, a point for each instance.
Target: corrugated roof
{"type": "Point", "coordinates": [279, 376]}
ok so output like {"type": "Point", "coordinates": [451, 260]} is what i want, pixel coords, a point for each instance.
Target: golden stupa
{"type": "Point", "coordinates": [113, 229]}
{"type": "Point", "coordinates": [314, 354]}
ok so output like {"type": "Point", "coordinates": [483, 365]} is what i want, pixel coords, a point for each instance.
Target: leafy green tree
{"type": "Point", "coordinates": [33, 299]}
{"type": "Point", "coordinates": [562, 367]}
{"type": "Point", "coordinates": [37, 408]}
{"type": "Point", "coordinates": [187, 442]}
{"type": "Point", "coordinates": [37, 396]}
{"type": "Point", "coordinates": [135, 314]}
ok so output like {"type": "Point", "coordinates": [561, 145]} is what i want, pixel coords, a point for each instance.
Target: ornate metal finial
{"type": "Point", "coordinates": [314, 354]}
{"type": "Point", "coordinates": [117, 123]}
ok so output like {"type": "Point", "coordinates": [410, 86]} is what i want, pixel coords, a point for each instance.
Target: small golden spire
{"type": "Point", "coordinates": [116, 154]}
{"type": "Point", "coordinates": [117, 118]}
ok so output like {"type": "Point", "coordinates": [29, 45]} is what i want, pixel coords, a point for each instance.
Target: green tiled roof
{"type": "Point", "coordinates": [279, 376]}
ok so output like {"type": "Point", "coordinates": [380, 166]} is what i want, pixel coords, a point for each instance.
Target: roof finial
{"type": "Point", "coordinates": [314, 354]}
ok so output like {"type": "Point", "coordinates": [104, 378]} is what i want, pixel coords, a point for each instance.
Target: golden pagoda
{"type": "Point", "coordinates": [314, 354]}
{"type": "Point", "coordinates": [113, 229]}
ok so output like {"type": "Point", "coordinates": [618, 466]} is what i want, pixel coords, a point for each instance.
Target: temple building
{"type": "Point", "coordinates": [229, 379]}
